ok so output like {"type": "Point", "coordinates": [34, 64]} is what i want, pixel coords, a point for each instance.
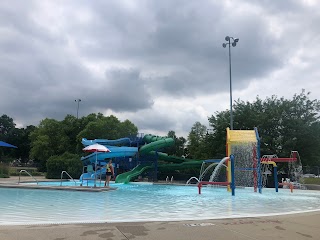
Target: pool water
{"type": "Point", "coordinates": [147, 202]}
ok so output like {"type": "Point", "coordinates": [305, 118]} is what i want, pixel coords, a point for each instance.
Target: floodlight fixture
{"type": "Point", "coordinates": [78, 101]}
{"type": "Point", "coordinates": [233, 44]}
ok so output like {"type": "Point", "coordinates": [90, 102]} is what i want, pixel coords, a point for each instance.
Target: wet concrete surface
{"type": "Point", "coordinates": [293, 227]}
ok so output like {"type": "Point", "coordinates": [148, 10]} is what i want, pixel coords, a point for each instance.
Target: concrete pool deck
{"type": "Point", "coordinates": [293, 226]}
{"type": "Point", "coordinates": [286, 227]}
{"type": "Point", "coordinates": [12, 182]}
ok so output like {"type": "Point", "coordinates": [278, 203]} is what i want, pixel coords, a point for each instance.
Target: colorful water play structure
{"type": "Point", "coordinates": [249, 170]}
{"type": "Point", "coordinates": [142, 154]}
{"type": "Point", "coordinates": [135, 155]}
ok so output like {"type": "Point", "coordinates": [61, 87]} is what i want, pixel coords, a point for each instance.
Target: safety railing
{"type": "Point", "coordinates": [25, 171]}
{"type": "Point", "coordinates": [75, 183]}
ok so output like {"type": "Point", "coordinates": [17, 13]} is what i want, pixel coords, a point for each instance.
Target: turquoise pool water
{"type": "Point", "coordinates": [147, 202]}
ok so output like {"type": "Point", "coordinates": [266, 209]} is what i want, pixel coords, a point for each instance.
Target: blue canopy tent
{"type": "Point", "coordinates": [4, 144]}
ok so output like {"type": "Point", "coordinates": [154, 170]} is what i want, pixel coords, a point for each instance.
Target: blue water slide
{"type": "Point", "coordinates": [90, 176]}
{"type": "Point", "coordinates": [119, 141]}
{"type": "Point", "coordinates": [115, 152]}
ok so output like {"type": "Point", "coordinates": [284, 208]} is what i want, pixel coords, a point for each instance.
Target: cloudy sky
{"type": "Point", "coordinates": [160, 64]}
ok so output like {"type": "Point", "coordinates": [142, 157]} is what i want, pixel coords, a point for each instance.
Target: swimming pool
{"type": "Point", "coordinates": [147, 202]}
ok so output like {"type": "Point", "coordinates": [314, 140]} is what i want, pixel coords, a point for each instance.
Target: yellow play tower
{"type": "Point", "coordinates": [245, 146]}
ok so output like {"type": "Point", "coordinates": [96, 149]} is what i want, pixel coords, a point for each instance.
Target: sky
{"type": "Point", "coordinates": [159, 64]}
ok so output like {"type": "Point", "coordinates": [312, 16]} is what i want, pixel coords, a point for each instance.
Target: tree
{"type": "Point", "coordinates": [65, 162]}
{"type": "Point", "coordinates": [284, 125]}
{"type": "Point", "coordinates": [47, 140]}
{"type": "Point", "coordinates": [108, 128]}
{"type": "Point", "coordinates": [196, 139]}
{"type": "Point", "coordinates": [20, 138]}
{"type": "Point", "coordinates": [6, 125]}
{"type": "Point", "coordinates": [54, 138]}
{"type": "Point", "coordinates": [178, 149]}
{"type": "Point", "coordinates": [72, 127]}
{"type": "Point", "coordinates": [16, 136]}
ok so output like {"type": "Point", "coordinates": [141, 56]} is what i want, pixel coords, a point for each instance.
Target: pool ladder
{"type": "Point", "coordinates": [28, 174]}
{"type": "Point", "coordinates": [68, 176]}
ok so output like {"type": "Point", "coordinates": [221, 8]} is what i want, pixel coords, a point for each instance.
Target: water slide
{"type": "Point", "coordinates": [101, 157]}
{"type": "Point", "coordinates": [115, 152]}
{"type": "Point", "coordinates": [156, 143]}
{"type": "Point", "coordinates": [138, 170]}
{"type": "Point", "coordinates": [120, 141]}
{"type": "Point", "coordinates": [127, 176]}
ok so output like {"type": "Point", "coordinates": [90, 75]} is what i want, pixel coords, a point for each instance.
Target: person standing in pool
{"type": "Point", "coordinates": [109, 173]}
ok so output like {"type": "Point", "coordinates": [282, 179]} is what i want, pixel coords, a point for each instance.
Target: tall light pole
{"type": "Point", "coordinates": [78, 101]}
{"type": "Point", "coordinates": [230, 41]}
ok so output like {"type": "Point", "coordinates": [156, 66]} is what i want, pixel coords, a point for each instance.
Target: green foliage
{"type": "Point", "coordinates": [6, 125]}
{"type": "Point", "coordinates": [25, 174]}
{"type": "Point", "coordinates": [178, 149]}
{"type": "Point", "coordinates": [16, 136]}
{"type": "Point", "coordinates": [15, 171]}
{"type": "Point", "coordinates": [54, 137]}
{"type": "Point", "coordinates": [107, 128]}
{"type": "Point", "coordinates": [4, 170]}
{"type": "Point", "coordinates": [196, 141]}
{"type": "Point", "coordinates": [311, 181]}
{"type": "Point", "coordinates": [65, 162]}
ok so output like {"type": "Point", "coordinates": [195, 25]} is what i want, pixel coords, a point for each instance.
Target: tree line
{"type": "Point", "coordinates": [55, 138]}
{"type": "Point", "coordinates": [283, 124]}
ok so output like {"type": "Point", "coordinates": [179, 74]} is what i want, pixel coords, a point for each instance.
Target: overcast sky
{"type": "Point", "coordinates": [159, 64]}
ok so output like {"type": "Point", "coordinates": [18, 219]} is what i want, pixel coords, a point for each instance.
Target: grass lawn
{"type": "Point", "coordinates": [311, 181]}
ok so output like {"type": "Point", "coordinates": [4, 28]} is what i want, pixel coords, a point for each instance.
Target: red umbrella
{"type": "Point", "coordinates": [96, 148]}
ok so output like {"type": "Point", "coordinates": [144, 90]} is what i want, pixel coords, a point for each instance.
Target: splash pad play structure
{"type": "Point", "coordinates": [247, 169]}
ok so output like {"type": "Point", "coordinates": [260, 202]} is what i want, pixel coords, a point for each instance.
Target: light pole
{"type": "Point", "coordinates": [78, 101]}
{"type": "Point", "coordinates": [230, 41]}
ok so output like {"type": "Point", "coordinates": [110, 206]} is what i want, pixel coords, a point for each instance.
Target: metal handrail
{"type": "Point", "coordinates": [26, 173]}
{"type": "Point", "coordinates": [68, 176]}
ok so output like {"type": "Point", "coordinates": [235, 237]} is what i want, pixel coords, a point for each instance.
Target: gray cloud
{"type": "Point", "coordinates": [146, 52]}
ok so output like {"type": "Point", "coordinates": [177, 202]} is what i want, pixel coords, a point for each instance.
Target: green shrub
{"type": "Point", "coordinates": [66, 162]}
{"type": "Point", "coordinates": [311, 181]}
{"type": "Point", "coordinates": [4, 170]}
{"type": "Point", "coordinates": [25, 174]}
